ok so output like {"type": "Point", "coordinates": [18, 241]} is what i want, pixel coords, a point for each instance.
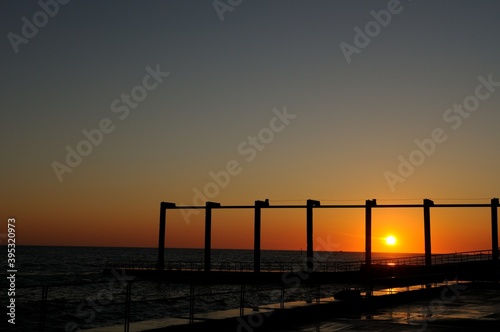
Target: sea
{"type": "Point", "coordinates": [78, 295]}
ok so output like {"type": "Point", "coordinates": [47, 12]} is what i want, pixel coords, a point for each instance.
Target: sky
{"type": "Point", "coordinates": [109, 108]}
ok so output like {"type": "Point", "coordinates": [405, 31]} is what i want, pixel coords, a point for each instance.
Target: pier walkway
{"type": "Point", "coordinates": [406, 269]}
{"type": "Point", "coordinates": [454, 306]}
{"type": "Point", "coordinates": [393, 293]}
{"type": "Point", "coordinates": [475, 309]}
{"type": "Point", "coordinates": [282, 267]}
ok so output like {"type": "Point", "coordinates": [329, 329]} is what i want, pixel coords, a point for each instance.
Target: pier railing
{"type": "Point", "coordinates": [336, 266]}
{"type": "Point", "coordinates": [84, 305]}
{"type": "Point", "coordinates": [439, 259]}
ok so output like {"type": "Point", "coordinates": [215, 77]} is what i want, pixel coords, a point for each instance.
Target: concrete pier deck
{"type": "Point", "coordinates": [475, 309]}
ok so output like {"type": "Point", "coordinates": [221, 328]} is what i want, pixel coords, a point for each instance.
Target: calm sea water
{"type": "Point", "coordinates": [80, 296]}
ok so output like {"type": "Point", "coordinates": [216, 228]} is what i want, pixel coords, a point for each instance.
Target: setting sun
{"type": "Point", "coordinates": [390, 240]}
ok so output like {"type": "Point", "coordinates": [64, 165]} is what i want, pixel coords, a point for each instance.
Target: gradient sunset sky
{"type": "Point", "coordinates": [265, 89]}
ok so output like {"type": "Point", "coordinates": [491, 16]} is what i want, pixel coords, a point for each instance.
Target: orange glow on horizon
{"type": "Point", "coordinates": [452, 230]}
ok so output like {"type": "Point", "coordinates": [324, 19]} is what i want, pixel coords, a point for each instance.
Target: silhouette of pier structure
{"type": "Point", "coordinates": [485, 261]}
{"type": "Point", "coordinates": [310, 206]}
{"type": "Point", "coordinates": [384, 281]}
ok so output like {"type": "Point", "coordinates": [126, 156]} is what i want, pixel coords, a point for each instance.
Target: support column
{"type": "Point", "coordinates": [494, 228]}
{"type": "Point", "coordinates": [256, 232]}
{"type": "Point", "coordinates": [309, 236]}
{"type": "Point", "coordinates": [368, 232]}
{"type": "Point", "coordinates": [161, 234]}
{"type": "Point", "coordinates": [427, 231]}
{"type": "Point", "coordinates": [208, 232]}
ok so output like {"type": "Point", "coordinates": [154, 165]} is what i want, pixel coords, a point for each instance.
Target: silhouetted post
{"type": "Point", "coordinates": [427, 231]}
{"type": "Point", "coordinates": [368, 232]}
{"type": "Point", "coordinates": [208, 232]}
{"type": "Point", "coordinates": [256, 239]}
{"type": "Point", "coordinates": [494, 228]}
{"type": "Point", "coordinates": [309, 230]}
{"type": "Point", "coordinates": [161, 234]}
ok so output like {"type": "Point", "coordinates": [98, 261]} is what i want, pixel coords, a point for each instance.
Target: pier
{"type": "Point", "coordinates": [426, 206]}
{"type": "Point", "coordinates": [453, 264]}
{"type": "Point", "coordinates": [383, 282]}
{"type": "Point", "coordinates": [283, 291]}
{"type": "Point", "coordinates": [482, 261]}
{"type": "Point", "coordinates": [368, 268]}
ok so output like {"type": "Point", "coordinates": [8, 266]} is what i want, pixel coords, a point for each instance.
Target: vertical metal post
{"type": "Point", "coordinates": [494, 228]}
{"type": "Point", "coordinates": [282, 300]}
{"type": "Point", "coordinates": [43, 309]}
{"type": "Point", "coordinates": [128, 299]}
{"type": "Point", "coordinates": [161, 234]}
{"type": "Point", "coordinates": [191, 303]}
{"type": "Point", "coordinates": [318, 293]}
{"type": "Point", "coordinates": [208, 233]}
{"type": "Point", "coordinates": [161, 237]}
{"type": "Point", "coordinates": [368, 232]}
{"type": "Point", "coordinates": [208, 236]}
{"type": "Point", "coordinates": [242, 300]}
{"type": "Point", "coordinates": [309, 230]}
{"type": "Point", "coordinates": [256, 239]}
{"type": "Point", "coordinates": [427, 231]}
